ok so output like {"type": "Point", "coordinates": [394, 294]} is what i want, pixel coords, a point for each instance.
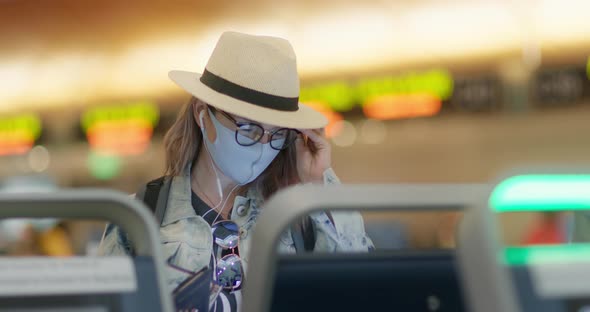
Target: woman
{"type": "Point", "coordinates": [242, 137]}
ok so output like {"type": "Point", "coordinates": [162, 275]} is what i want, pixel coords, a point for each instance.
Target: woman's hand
{"type": "Point", "coordinates": [314, 155]}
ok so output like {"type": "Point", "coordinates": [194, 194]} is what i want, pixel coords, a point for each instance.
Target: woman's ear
{"type": "Point", "coordinates": [203, 120]}
{"type": "Point", "coordinates": [199, 110]}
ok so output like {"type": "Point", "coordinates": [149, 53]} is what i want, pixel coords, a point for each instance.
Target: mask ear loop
{"type": "Point", "coordinates": [219, 188]}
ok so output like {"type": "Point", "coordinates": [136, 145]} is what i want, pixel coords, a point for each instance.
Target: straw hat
{"type": "Point", "coordinates": [254, 77]}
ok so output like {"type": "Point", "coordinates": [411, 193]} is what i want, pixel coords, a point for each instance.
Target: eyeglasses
{"type": "Point", "coordinates": [229, 271]}
{"type": "Point", "coordinates": [249, 133]}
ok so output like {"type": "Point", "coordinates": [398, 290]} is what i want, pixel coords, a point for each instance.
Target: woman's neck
{"type": "Point", "coordinates": [204, 177]}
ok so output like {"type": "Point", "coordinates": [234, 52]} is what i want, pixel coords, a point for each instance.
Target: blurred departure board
{"type": "Point", "coordinates": [558, 87]}
{"type": "Point", "coordinates": [479, 94]}
{"type": "Point", "coordinates": [407, 95]}
{"type": "Point", "coordinates": [120, 129]}
{"type": "Point", "coordinates": [18, 133]}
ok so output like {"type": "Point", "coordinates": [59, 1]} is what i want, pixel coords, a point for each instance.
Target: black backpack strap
{"type": "Point", "coordinates": [155, 195]}
{"type": "Point", "coordinates": [303, 235]}
{"type": "Point", "coordinates": [297, 236]}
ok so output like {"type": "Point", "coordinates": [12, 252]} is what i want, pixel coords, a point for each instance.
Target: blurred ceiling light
{"type": "Point", "coordinates": [559, 21]}
{"type": "Point", "coordinates": [451, 29]}
{"type": "Point", "coordinates": [125, 137]}
{"type": "Point", "coordinates": [436, 82]}
{"type": "Point", "coordinates": [353, 38]}
{"type": "Point", "coordinates": [334, 126]}
{"type": "Point", "coordinates": [60, 77]}
{"type": "Point", "coordinates": [18, 133]}
{"type": "Point", "coordinates": [541, 192]}
{"type": "Point", "coordinates": [104, 167]}
{"type": "Point", "coordinates": [15, 77]}
{"type": "Point", "coordinates": [337, 96]}
{"type": "Point", "coordinates": [272, 26]}
{"type": "Point", "coordinates": [120, 129]}
{"type": "Point", "coordinates": [347, 135]}
{"type": "Point", "coordinates": [342, 96]}
{"type": "Point", "coordinates": [39, 158]}
{"type": "Point", "coordinates": [146, 67]}
{"type": "Point", "coordinates": [332, 40]}
{"type": "Point", "coordinates": [398, 106]}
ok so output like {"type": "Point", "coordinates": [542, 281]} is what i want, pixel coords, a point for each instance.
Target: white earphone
{"type": "Point", "coordinates": [201, 124]}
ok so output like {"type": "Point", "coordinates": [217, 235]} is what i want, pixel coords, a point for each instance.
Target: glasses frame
{"type": "Point", "coordinates": [270, 133]}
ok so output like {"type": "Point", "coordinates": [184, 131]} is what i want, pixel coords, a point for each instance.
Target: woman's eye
{"type": "Point", "coordinates": [278, 136]}
{"type": "Point", "coordinates": [250, 131]}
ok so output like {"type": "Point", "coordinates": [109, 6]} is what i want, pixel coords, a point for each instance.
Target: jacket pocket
{"type": "Point", "coordinates": [181, 257]}
{"type": "Point", "coordinates": [185, 256]}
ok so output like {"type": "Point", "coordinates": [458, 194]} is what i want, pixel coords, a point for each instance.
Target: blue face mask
{"type": "Point", "coordinates": [240, 163]}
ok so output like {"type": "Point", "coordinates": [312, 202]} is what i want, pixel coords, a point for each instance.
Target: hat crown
{"type": "Point", "coordinates": [262, 63]}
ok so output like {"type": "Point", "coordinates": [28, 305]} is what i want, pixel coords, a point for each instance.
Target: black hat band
{"type": "Point", "coordinates": [251, 96]}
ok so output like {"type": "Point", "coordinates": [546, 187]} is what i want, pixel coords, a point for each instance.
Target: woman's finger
{"type": "Point", "coordinates": [300, 143]}
{"type": "Point", "coordinates": [316, 137]}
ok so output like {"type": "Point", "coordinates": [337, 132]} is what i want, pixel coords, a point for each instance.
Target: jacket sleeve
{"type": "Point", "coordinates": [330, 177]}
{"type": "Point", "coordinates": [350, 226]}
{"type": "Point", "coordinates": [114, 242]}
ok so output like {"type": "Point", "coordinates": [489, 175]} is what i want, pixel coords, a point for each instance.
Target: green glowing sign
{"type": "Point", "coordinates": [546, 254]}
{"type": "Point", "coordinates": [436, 82]}
{"type": "Point", "coordinates": [343, 96]}
{"type": "Point", "coordinates": [138, 110]}
{"type": "Point", "coordinates": [550, 192]}
{"type": "Point", "coordinates": [338, 95]}
{"type": "Point", "coordinates": [104, 167]}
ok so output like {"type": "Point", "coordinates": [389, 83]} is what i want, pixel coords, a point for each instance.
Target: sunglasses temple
{"type": "Point", "coordinates": [214, 267]}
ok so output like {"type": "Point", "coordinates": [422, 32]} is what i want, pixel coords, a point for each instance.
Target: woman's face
{"type": "Point", "coordinates": [240, 148]}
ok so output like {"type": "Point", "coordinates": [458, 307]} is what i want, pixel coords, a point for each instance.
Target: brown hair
{"type": "Point", "coordinates": [183, 142]}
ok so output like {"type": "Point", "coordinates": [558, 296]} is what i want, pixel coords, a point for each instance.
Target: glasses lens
{"type": "Point", "coordinates": [248, 134]}
{"type": "Point", "coordinates": [226, 234]}
{"type": "Point", "coordinates": [282, 138]}
{"type": "Point", "coordinates": [230, 272]}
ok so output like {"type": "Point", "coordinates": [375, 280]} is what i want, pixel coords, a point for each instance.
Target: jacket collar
{"type": "Point", "coordinates": [179, 205]}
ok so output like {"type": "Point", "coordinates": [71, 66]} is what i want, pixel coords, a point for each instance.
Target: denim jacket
{"type": "Point", "coordinates": [187, 240]}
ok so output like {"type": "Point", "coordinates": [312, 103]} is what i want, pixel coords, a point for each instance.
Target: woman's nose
{"type": "Point", "coordinates": [266, 136]}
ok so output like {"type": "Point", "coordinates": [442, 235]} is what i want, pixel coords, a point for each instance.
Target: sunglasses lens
{"type": "Point", "coordinates": [226, 234]}
{"type": "Point", "coordinates": [230, 272]}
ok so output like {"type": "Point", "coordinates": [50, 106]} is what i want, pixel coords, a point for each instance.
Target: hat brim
{"type": "Point", "coordinates": [304, 118]}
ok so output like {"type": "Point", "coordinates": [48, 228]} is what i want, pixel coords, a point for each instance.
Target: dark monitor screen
{"type": "Point", "coordinates": [530, 300]}
{"type": "Point", "coordinates": [146, 298]}
{"type": "Point", "coordinates": [377, 281]}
